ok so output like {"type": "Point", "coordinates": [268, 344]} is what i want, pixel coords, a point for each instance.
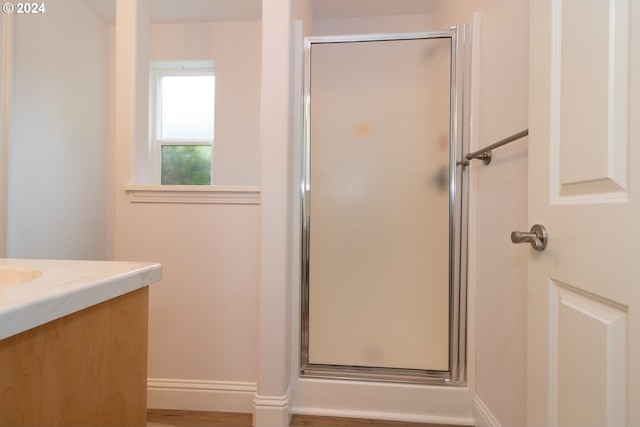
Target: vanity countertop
{"type": "Point", "coordinates": [65, 287]}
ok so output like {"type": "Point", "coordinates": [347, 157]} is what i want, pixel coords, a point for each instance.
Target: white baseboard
{"type": "Point", "coordinates": [383, 401]}
{"type": "Point", "coordinates": [482, 414]}
{"type": "Point", "coordinates": [200, 395]}
{"type": "Point", "coordinates": [272, 411]}
{"type": "Point", "coordinates": [388, 416]}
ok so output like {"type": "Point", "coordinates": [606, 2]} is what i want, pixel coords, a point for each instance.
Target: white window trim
{"type": "Point", "coordinates": [199, 194]}
{"type": "Point", "coordinates": [189, 194]}
{"type": "Point", "coordinates": [157, 71]}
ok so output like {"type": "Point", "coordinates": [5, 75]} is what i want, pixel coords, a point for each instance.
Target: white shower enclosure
{"type": "Point", "coordinates": [384, 223]}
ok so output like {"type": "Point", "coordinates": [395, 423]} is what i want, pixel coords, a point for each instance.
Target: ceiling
{"type": "Point", "coordinates": [247, 10]}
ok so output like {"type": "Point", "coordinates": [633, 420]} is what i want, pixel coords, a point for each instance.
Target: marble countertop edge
{"type": "Point", "coordinates": [65, 287]}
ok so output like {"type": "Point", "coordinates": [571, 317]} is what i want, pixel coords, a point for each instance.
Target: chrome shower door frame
{"type": "Point", "coordinates": [460, 37]}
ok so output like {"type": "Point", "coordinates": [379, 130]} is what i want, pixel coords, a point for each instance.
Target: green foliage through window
{"type": "Point", "coordinates": [181, 126]}
{"type": "Point", "coordinates": [186, 165]}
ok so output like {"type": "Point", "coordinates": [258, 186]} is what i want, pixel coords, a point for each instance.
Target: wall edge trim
{"type": "Point", "coordinates": [482, 415]}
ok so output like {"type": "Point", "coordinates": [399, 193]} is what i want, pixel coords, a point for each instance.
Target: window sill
{"type": "Point", "coordinates": [202, 194]}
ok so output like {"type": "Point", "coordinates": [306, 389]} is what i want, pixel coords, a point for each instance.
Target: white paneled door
{"type": "Point", "coordinates": [584, 186]}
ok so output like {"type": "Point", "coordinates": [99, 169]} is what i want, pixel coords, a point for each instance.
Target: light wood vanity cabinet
{"type": "Point", "coordinates": [88, 368]}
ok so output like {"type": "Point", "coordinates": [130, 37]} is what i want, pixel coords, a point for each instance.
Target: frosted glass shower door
{"type": "Point", "coordinates": [379, 206]}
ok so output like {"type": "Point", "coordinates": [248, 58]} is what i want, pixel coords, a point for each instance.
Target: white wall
{"type": "Point", "coordinates": [373, 24]}
{"type": "Point", "coordinates": [58, 142]}
{"type": "Point", "coordinates": [235, 49]}
{"type": "Point", "coordinates": [6, 59]}
{"type": "Point", "coordinates": [272, 400]}
{"type": "Point", "coordinates": [501, 194]}
{"type": "Point", "coordinates": [204, 320]}
{"type": "Point", "coordinates": [203, 316]}
{"type": "Point", "coordinates": [205, 337]}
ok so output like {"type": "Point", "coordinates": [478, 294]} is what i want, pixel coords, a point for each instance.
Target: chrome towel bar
{"type": "Point", "coordinates": [484, 154]}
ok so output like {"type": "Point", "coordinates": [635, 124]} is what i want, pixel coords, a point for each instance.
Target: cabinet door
{"type": "Point", "coordinates": [85, 369]}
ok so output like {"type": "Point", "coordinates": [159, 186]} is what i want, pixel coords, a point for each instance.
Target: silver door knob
{"type": "Point", "coordinates": [538, 237]}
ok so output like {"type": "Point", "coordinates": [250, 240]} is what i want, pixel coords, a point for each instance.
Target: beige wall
{"type": "Point", "coordinates": [58, 133]}
{"type": "Point", "coordinates": [230, 268]}
{"type": "Point", "coordinates": [235, 49]}
{"type": "Point", "coordinates": [205, 345]}
{"type": "Point", "coordinates": [501, 194]}
{"type": "Point", "coordinates": [203, 315]}
{"type": "Point", "coordinates": [203, 327]}
{"type": "Point", "coordinates": [374, 24]}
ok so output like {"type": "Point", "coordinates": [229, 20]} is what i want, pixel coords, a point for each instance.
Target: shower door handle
{"type": "Point", "coordinates": [538, 237]}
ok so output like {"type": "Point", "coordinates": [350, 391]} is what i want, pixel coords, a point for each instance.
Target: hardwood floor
{"type": "Point", "coordinates": [312, 421]}
{"type": "Point", "coordinates": [165, 417]}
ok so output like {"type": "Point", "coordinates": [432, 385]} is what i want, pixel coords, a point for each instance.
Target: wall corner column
{"type": "Point", "coordinates": [272, 403]}
{"type": "Point", "coordinates": [131, 104]}
{"type": "Point", "coordinates": [6, 68]}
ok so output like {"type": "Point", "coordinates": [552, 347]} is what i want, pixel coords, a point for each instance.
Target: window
{"type": "Point", "coordinates": [182, 122]}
